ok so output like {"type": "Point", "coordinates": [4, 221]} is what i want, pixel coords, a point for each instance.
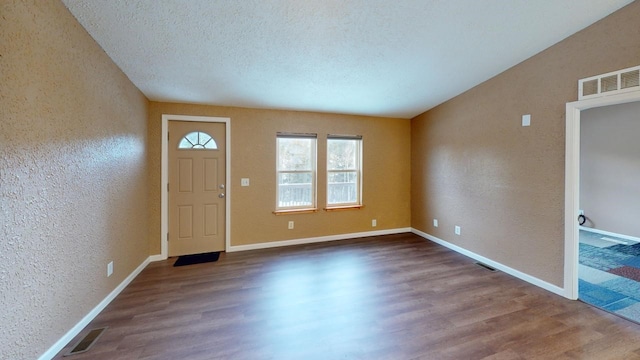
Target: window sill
{"type": "Point", "coordinates": [341, 208]}
{"type": "Point", "coordinates": [295, 211]}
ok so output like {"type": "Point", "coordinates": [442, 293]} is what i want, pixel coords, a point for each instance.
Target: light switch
{"type": "Point", "coordinates": [526, 120]}
{"type": "Point", "coordinates": [244, 182]}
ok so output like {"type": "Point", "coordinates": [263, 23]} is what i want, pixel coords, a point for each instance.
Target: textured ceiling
{"type": "Point", "coordinates": [394, 58]}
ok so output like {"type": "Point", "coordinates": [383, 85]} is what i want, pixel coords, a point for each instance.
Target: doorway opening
{"type": "Point", "coordinates": [590, 260]}
{"type": "Point", "coordinates": [609, 261]}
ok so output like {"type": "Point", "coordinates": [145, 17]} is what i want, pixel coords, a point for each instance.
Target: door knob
{"type": "Point", "coordinates": [221, 195]}
{"type": "Point", "coordinates": [221, 186]}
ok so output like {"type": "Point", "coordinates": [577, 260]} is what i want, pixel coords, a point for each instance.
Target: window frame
{"type": "Point", "coordinates": [357, 170]}
{"type": "Point", "coordinates": [313, 172]}
{"type": "Point", "coordinates": [211, 140]}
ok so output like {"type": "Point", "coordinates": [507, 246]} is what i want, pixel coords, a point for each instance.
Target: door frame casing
{"type": "Point", "coordinates": [164, 177]}
{"type": "Point", "coordinates": [572, 182]}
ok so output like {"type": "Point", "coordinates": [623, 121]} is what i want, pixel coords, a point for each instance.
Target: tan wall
{"type": "Point", "coordinates": [253, 150]}
{"type": "Point", "coordinates": [610, 168]}
{"type": "Point", "coordinates": [473, 165]}
{"type": "Point", "coordinates": [72, 175]}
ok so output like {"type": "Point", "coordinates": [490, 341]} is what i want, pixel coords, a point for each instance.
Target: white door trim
{"type": "Point", "coordinates": [164, 177]}
{"type": "Point", "coordinates": [572, 182]}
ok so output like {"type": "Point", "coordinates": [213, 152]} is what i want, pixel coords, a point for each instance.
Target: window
{"type": "Point", "coordinates": [296, 168]}
{"type": "Point", "coordinates": [197, 140]}
{"type": "Point", "coordinates": [344, 170]}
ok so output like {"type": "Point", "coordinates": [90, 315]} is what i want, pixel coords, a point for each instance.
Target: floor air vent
{"type": "Point", "coordinates": [616, 82]}
{"type": "Point", "coordinates": [486, 267]}
{"type": "Point", "coordinates": [86, 342]}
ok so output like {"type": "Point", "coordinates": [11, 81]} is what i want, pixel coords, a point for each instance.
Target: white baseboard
{"type": "Point", "coordinates": [513, 272]}
{"type": "Point", "coordinates": [60, 344]}
{"type": "Point", "coordinates": [316, 239]}
{"type": "Point", "coordinates": [609, 233]}
{"type": "Point", "coordinates": [159, 257]}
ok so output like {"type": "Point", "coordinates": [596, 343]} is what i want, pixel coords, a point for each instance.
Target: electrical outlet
{"type": "Point", "coordinates": [457, 230]}
{"type": "Point", "coordinates": [290, 225]}
{"type": "Point", "coordinates": [374, 223]}
{"type": "Point", "coordinates": [109, 268]}
{"type": "Point", "coordinates": [244, 182]}
{"type": "Point", "coordinates": [435, 222]}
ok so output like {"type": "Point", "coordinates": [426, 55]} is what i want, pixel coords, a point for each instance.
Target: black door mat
{"type": "Point", "coordinates": [197, 258]}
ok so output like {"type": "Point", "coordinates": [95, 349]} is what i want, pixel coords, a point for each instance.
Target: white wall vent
{"type": "Point", "coordinates": [616, 82]}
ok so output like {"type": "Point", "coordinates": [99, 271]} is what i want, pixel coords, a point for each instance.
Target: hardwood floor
{"type": "Point", "coordinates": [388, 297]}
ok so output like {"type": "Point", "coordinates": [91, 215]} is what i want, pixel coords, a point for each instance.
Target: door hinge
{"type": "Point", "coordinates": [167, 187]}
{"type": "Point", "coordinates": [167, 236]}
{"type": "Point", "coordinates": [168, 136]}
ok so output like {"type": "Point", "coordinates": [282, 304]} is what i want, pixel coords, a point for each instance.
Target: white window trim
{"type": "Point", "coordinates": [358, 171]}
{"type": "Point", "coordinates": [314, 174]}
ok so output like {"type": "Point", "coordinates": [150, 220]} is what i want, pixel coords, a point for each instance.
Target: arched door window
{"type": "Point", "coordinates": [197, 140]}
